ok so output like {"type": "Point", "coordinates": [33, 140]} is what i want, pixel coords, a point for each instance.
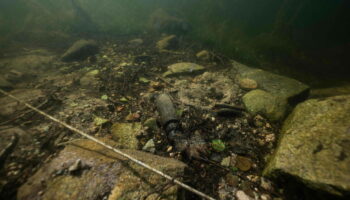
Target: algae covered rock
{"type": "Point", "coordinates": [314, 146]}
{"type": "Point", "coordinates": [104, 175]}
{"type": "Point", "coordinates": [126, 134]}
{"type": "Point", "coordinates": [80, 50]}
{"type": "Point", "coordinates": [265, 103]}
{"type": "Point", "coordinates": [184, 68]}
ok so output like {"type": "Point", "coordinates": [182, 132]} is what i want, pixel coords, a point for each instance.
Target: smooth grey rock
{"type": "Point", "coordinates": [80, 50]}
{"type": "Point", "coordinates": [265, 103]}
{"type": "Point", "coordinates": [314, 145]}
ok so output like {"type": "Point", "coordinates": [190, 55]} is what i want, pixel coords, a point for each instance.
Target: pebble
{"type": "Point", "coordinates": [266, 185]}
{"type": "Point", "coordinates": [75, 166]}
{"type": "Point", "coordinates": [243, 163]}
{"type": "Point", "coordinates": [270, 137]}
{"type": "Point", "coordinates": [265, 197]}
{"type": "Point", "coordinates": [242, 195]}
{"type": "Point", "coordinates": [149, 146]}
{"type": "Point", "coordinates": [203, 55]}
{"type": "Point", "coordinates": [226, 162]}
{"type": "Point", "coordinates": [232, 180]}
{"type": "Point", "coordinates": [247, 83]}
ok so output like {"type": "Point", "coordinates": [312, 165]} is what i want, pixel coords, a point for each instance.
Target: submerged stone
{"type": "Point", "coordinates": [265, 103]}
{"type": "Point", "coordinates": [108, 175]}
{"type": "Point", "coordinates": [248, 84]}
{"type": "Point", "coordinates": [314, 145]}
{"type": "Point", "coordinates": [90, 79]}
{"type": "Point", "coordinates": [183, 68]}
{"type": "Point", "coordinates": [203, 55]}
{"type": "Point", "coordinates": [167, 43]}
{"type": "Point", "coordinates": [80, 50]}
{"type": "Point", "coordinates": [126, 134]}
{"type": "Point", "coordinates": [286, 88]}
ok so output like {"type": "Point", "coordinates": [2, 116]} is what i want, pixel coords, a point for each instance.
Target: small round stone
{"type": "Point", "coordinates": [247, 83]}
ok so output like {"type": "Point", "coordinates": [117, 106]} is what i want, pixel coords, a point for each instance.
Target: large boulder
{"type": "Point", "coordinates": [314, 145]}
{"type": "Point", "coordinates": [285, 92]}
{"type": "Point", "coordinates": [80, 50]}
{"type": "Point", "coordinates": [86, 170]}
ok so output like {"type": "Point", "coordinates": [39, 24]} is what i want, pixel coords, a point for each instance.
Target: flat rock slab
{"type": "Point", "coordinates": [314, 145]}
{"type": "Point", "coordinates": [282, 93]}
{"type": "Point", "coordinates": [183, 68]}
{"type": "Point", "coordinates": [292, 90]}
{"type": "Point", "coordinates": [80, 50]}
{"type": "Point", "coordinates": [102, 174]}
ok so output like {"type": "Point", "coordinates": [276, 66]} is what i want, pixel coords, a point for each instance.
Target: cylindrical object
{"type": "Point", "coordinates": [166, 109]}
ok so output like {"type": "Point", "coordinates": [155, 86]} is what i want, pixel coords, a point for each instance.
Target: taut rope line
{"type": "Point", "coordinates": [177, 182]}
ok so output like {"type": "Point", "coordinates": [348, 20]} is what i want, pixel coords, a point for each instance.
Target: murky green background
{"type": "Point", "coordinates": [305, 39]}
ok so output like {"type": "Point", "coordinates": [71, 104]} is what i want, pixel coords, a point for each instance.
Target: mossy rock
{"type": "Point", "coordinates": [265, 103]}
{"type": "Point", "coordinates": [126, 134]}
{"type": "Point", "coordinates": [314, 146]}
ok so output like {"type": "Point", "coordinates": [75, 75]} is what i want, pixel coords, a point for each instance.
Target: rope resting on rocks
{"type": "Point", "coordinates": [177, 182]}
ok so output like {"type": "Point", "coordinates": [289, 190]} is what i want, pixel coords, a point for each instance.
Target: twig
{"type": "Point", "coordinates": [177, 182]}
{"type": "Point", "coordinates": [8, 149]}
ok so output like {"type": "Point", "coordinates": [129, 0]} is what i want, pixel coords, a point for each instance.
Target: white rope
{"type": "Point", "coordinates": [177, 182]}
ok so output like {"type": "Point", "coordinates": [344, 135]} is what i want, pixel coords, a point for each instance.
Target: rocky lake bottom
{"type": "Point", "coordinates": [251, 134]}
